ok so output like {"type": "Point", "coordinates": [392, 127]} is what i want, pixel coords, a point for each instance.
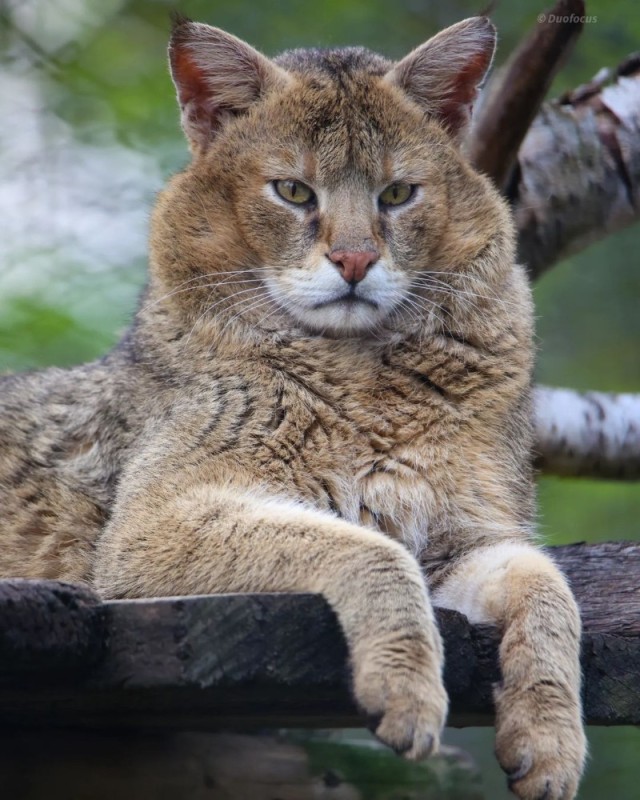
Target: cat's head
{"type": "Point", "coordinates": [327, 190]}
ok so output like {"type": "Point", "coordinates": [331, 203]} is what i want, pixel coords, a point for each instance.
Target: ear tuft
{"type": "Point", "coordinates": [216, 76]}
{"type": "Point", "coordinates": [177, 19]}
{"type": "Point", "coordinates": [444, 74]}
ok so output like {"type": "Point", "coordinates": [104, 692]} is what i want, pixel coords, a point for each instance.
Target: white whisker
{"type": "Point", "coordinates": [436, 285]}
{"type": "Point", "coordinates": [251, 307]}
{"type": "Point", "coordinates": [177, 289]}
{"type": "Point", "coordinates": [210, 308]}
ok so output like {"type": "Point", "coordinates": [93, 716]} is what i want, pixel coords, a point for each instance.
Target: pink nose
{"type": "Point", "coordinates": [353, 264]}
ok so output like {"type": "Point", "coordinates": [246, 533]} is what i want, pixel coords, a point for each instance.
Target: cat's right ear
{"type": "Point", "coordinates": [444, 74]}
{"type": "Point", "coordinates": [216, 76]}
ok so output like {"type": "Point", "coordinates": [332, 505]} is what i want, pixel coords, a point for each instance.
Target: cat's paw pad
{"type": "Point", "coordinates": [543, 758]}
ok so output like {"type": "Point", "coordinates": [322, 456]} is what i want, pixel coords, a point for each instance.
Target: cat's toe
{"type": "Point", "coordinates": [410, 714]}
{"type": "Point", "coordinates": [539, 786]}
{"type": "Point", "coordinates": [401, 687]}
{"type": "Point", "coordinates": [411, 734]}
{"type": "Point", "coordinates": [542, 761]}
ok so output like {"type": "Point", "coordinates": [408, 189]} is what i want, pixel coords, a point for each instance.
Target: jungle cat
{"type": "Point", "coordinates": [326, 388]}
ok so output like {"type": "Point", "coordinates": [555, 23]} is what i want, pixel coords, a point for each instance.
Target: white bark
{"type": "Point", "coordinates": [578, 170]}
{"type": "Point", "coordinates": [588, 434]}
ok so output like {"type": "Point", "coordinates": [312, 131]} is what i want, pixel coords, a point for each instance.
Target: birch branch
{"type": "Point", "coordinates": [578, 172]}
{"type": "Point", "coordinates": [588, 434]}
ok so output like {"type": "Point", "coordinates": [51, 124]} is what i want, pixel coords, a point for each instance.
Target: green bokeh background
{"type": "Point", "coordinates": [89, 131]}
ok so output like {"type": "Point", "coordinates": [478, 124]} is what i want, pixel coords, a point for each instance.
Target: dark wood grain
{"type": "Point", "coordinates": [272, 660]}
{"type": "Point", "coordinates": [49, 628]}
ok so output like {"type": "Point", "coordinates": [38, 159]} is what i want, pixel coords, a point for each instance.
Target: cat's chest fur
{"type": "Point", "coordinates": [371, 444]}
{"type": "Point", "coordinates": [366, 435]}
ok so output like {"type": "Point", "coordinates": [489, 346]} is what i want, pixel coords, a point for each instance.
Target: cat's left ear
{"type": "Point", "coordinates": [217, 76]}
{"type": "Point", "coordinates": [444, 74]}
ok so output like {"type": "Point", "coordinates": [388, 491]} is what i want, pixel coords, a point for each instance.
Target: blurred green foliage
{"type": "Point", "coordinates": [90, 130]}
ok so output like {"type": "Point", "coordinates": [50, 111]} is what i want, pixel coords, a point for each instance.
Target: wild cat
{"type": "Point", "coordinates": [326, 388]}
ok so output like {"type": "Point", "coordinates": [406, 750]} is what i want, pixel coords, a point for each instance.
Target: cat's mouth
{"type": "Point", "coordinates": [349, 298]}
{"type": "Point", "coordinates": [323, 302]}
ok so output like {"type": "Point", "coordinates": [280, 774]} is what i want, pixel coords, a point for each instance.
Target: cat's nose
{"type": "Point", "coordinates": [353, 264]}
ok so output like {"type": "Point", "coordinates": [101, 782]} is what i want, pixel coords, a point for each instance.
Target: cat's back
{"type": "Point", "coordinates": [64, 436]}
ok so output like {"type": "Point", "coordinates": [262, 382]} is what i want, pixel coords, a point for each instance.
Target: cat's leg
{"type": "Point", "coordinates": [540, 741]}
{"type": "Point", "coordinates": [210, 539]}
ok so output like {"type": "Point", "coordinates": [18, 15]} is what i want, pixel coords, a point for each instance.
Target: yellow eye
{"type": "Point", "coordinates": [396, 194]}
{"type": "Point", "coordinates": [294, 192]}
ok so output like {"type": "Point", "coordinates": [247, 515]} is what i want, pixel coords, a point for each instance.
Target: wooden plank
{"type": "Point", "coordinates": [605, 579]}
{"type": "Point", "coordinates": [247, 661]}
{"type": "Point", "coordinates": [49, 627]}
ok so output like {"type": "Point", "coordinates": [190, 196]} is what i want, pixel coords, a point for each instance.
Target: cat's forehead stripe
{"type": "Point", "coordinates": [336, 63]}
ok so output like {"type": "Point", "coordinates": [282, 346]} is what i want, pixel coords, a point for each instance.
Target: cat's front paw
{"type": "Point", "coordinates": [540, 743]}
{"type": "Point", "coordinates": [404, 693]}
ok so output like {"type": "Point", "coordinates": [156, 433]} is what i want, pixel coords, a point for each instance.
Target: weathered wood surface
{"type": "Point", "coordinates": [247, 661]}
{"type": "Point", "coordinates": [46, 625]}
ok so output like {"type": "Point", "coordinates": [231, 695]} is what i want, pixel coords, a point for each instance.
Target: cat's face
{"type": "Point", "coordinates": [342, 208]}
{"type": "Point", "coordinates": [320, 190]}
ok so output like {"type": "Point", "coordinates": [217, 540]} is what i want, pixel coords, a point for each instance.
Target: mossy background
{"type": "Point", "coordinates": [90, 131]}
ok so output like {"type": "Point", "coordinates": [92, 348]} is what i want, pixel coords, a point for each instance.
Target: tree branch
{"type": "Point", "coordinates": [577, 178]}
{"type": "Point", "coordinates": [592, 434]}
{"type": "Point", "coordinates": [515, 94]}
